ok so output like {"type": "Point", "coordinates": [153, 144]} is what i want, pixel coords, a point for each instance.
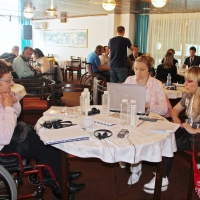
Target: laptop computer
{"type": "Point", "coordinates": [119, 91]}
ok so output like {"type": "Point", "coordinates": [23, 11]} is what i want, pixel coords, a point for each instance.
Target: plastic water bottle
{"type": "Point", "coordinates": [133, 112]}
{"type": "Point", "coordinates": [86, 90]}
{"type": "Point", "coordinates": [105, 103]}
{"type": "Point", "coordinates": [124, 117]}
{"type": "Point", "coordinates": [84, 103]}
{"type": "Point", "coordinates": [168, 83]}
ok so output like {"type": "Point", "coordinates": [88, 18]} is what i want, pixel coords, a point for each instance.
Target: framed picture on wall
{"type": "Point", "coordinates": [67, 38]}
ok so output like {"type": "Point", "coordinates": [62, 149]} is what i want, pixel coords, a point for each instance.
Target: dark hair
{"type": "Point", "coordinates": [5, 67]}
{"type": "Point", "coordinates": [98, 48]}
{"type": "Point", "coordinates": [105, 48]}
{"type": "Point", "coordinates": [25, 48]}
{"type": "Point", "coordinates": [172, 50]}
{"type": "Point", "coordinates": [193, 49]}
{"type": "Point", "coordinates": [168, 60]}
{"type": "Point", "coordinates": [39, 52]}
{"type": "Point", "coordinates": [120, 29]}
{"type": "Point", "coordinates": [135, 46]}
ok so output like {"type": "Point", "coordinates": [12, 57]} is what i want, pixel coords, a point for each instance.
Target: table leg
{"type": "Point", "coordinates": [158, 183]}
{"type": "Point", "coordinates": [64, 170]}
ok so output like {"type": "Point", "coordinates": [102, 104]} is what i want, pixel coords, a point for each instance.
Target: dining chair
{"type": "Point", "coordinates": [58, 88]}
{"type": "Point", "coordinates": [187, 155]}
{"type": "Point", "coordinates": [75, 67]}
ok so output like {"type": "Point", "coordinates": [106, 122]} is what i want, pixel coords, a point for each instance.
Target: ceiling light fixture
{"type": "Point", "coordinates": [109, 4]}
{"type": "Point", "coordinates": [158, 3]}
{"type": "Point", "coordinates": [29, 11]}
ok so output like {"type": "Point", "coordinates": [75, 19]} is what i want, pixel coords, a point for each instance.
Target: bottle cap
{"type": "Point", "coordinates": [86, 90]}
{"type": "Point", "coordinates": [124, 100]}
{"type": "Point", "coordinates": [105, 92]}
{"type": "Point", "coordinates": [133, 101]}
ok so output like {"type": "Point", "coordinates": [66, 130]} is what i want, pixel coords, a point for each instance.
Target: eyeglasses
{"type": "Point", "coordinates": [7, 81]}
{"type": "Point", "coordinates": [189, 81]}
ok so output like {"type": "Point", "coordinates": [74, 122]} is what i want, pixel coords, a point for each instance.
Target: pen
{"type": "Point", "coordinates": [140, 123]}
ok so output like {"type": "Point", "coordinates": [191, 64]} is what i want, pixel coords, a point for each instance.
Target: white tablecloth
{"type": "Point", "coordinates": [63, 63]}
{"type": "Point", "coordinates": [19, 90]}
{"type": "Point", "coordinates": [175, 94]}
{"type": "Point", "coordinates": [144, 145]}
{"type": "Point", "coordinates": [181, 71]}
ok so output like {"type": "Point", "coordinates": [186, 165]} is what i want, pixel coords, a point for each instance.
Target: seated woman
{"type": "Point", "coordinates": [191, 102]}
{"type": "Point", "coordinates": [32, 146]}
{"type": "Point", "coordinates": [166, 67]}
{"type": "Point", "coordinates": [42, 63]}
{"type": "Point", "coordinates": [155, 98]}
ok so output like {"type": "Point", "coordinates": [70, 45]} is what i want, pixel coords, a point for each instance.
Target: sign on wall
{"type": "Point", "coordinates": [69, 38]}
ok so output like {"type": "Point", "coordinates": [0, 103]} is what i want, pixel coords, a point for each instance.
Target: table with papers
{"type": "Point", "coordinates": [148, 142]}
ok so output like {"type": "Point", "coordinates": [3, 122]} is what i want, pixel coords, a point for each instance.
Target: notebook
{"type": "Point", "coordinates": [119, 91]}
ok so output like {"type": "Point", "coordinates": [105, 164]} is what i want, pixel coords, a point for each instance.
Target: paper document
{"type": "Point", "coordinates": [106, 120]}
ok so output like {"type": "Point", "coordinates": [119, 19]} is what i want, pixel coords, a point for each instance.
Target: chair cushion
{"type": "Point", "coordinates": [73, 68]}
{"type": "Point", "coordinates": [34, 104]}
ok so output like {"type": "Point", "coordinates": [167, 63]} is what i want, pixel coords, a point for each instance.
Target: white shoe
{"type": "Point", "coordinates": [122, 164]}
{"type": "Point", "coordinates": [134, 178]}
{"type": "Point", "coordinates": [149, 187]}
{"type": "Point", "coordinates": [134, 168]}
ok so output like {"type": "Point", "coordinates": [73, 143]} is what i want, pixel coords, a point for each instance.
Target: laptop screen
{"type": "Point", "coordinates": [119, 91]}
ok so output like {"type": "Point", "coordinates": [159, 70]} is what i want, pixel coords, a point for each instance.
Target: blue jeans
{"type": "Point", "coordinates": [118, 75]}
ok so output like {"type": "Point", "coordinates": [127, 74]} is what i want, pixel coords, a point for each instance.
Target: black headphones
{"type": "Point", "coordinates": [94, 111]}
{"type": "Point", "coordinates": [56, 124]}
{"type": "Point", "coordinates": [198, 84]}
{"type": "Point", "coordinates": [105, 134]}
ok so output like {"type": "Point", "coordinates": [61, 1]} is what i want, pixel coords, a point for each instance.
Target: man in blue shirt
{"type": "Point", "coordinates": [94, 59]}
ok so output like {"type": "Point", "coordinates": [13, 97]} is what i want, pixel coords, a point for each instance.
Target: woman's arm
{"type": "Point", "coordinates": [175, 112]}
{"type": "Point", "coordinates": [189, 129]}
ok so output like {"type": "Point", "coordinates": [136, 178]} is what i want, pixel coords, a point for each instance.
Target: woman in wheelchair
{"type": "Point", "coordinates": [32, 146]}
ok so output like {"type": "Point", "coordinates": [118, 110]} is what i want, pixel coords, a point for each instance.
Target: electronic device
{"type": "Point", "coordinates": [122, 133]}
{"type": "Point", "coordinates": [102, 134]}
{"type": "Point", "coordinates": [94, 111]}
{"type": "Point", "coordinates": [119, 91]}
{"type": "Point", "coordinates": [56, 124]}
{"type": "Point", "coordinates": [148, 119]}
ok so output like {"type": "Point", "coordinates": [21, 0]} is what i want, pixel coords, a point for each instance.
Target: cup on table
{"type": "Point", "coordinates": [87, 121]}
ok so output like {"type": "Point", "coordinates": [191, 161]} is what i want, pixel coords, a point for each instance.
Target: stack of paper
{"type": "Point", "coordinates": [106, 120]}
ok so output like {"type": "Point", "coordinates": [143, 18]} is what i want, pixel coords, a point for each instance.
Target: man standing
{"type": "Point", "coordinates": [94, 59]}
{"type": "Point", "coordinates": [21, 65]}
{"type": "Point", "coordinates": [193, 60]}
{"type": "Point", "coordinates": [135, 53]}
{"type": "Point", "coordinates": [118, 56]}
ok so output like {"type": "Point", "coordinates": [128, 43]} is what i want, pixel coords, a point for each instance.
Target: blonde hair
{"type": "Point", "coordinates": [146, 58]}
{"type": "Point", "coordinates": [193, 73]}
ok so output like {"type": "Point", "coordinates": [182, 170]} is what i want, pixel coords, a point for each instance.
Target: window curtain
{"type": "Point", "coordinates": [141, 30]}
{"type": "Point", "coordinates": [23, 21]}
{"type": "Point", "coordinates": [177, 31]}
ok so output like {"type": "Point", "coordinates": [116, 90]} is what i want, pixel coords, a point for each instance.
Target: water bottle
{"type": "Point", "coordinates": [133, 112]}
{"type": "Point", "coordinates": [86, 90]}
{"type": "Point", "coordinates": [84, 103]}
{"type": "Point", "coordinates": [124, 117]}
{"type": "Point", "coordinates": [105, 103]}
{"type": "Point", "coordinates": [168, 83]}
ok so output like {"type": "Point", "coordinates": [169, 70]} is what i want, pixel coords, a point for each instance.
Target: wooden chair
{"type": "Point", "coordinates": [66, 88]}
{"type": "Point", "coordinates": [75, 67]}
{"type": "Point", "coordinates": [187, 155]}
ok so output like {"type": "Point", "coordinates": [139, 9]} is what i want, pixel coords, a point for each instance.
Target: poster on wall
{"type": "Point", "coordinates": [68, 38]}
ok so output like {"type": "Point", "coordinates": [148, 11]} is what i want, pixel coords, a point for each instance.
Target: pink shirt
{"type": "Point", "coordinates": [8, 119]}
{"type": "Point", "coordinates": [155, 91]}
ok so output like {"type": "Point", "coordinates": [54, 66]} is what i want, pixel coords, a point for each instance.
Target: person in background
{"type": "Point", "coordinates": [94, 59]}
{"type": "Point", "coordinates": [32, 146]}
{"type": "Point", "coordinates": [41, 62]}
{"type": "Point", "coordinates": [155, 99]}
{"type": "Point", "coordinates": [118, 56]}
{"type": "Point", "coordinates": [9, 57]}
{"type": "Point", "coordinates": [192, 60]}
{"type": "Point", "coordinates": [184, 135]}
{"type": "Point", "coordinates": [175, 62]}
{"type": "Point", "coordinates": [104, 58]}
{"type": "Point", "coordinates": [166, 67]}
{"type": "Point", "coordinates": [135, 54]}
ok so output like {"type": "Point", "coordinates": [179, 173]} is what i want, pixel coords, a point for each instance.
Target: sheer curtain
{"type": "Point", "coordinates": [177, 31]}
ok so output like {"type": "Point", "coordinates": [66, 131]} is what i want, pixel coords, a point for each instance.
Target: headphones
{"type": "Point", "coordinates": [105, 134]}
{"type": "Point", "coordinates": [198, 84]}
{"type": "Point", "coordinates": [56, 124]}
{"type": "Point", "coordinates": [94, 111]}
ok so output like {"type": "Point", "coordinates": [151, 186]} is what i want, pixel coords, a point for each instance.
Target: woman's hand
{"type": "Point", "coordinates": [188, 128]}
{"type": "Point", "coordinates": [6, 100]}
{"type": "Point", "coordinates": [176, 120]}
{"type": "Point", "coordinates": [14, 98]}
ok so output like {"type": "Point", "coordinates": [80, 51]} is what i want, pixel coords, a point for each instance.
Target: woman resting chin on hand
{"type": "Point", "coordinates": [6, 100]}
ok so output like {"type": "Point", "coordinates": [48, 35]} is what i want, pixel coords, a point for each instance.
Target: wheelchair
{"type": "Point", "coordinates": [88, 77]}
{"type": "Point", "coordinates": [13, 168]}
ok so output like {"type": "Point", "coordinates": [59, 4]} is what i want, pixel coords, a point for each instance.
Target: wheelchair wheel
{"type": "Point", "coordinates": [89, 79]}
{"type": "Point", "coordinates": [8, 189]}
{"type": "Point", "coordinates": [83, 77]}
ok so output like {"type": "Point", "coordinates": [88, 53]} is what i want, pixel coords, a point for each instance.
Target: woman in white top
{"type": "Point", "coordinates": [42, 63]}
{"type": "Point", "coordinates": [155, 99]}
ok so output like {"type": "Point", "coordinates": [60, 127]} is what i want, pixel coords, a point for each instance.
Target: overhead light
{"type": "Point", "coordinates": [109, 4]}
{"type": "Point", "coordinates": [29, 11]}
{"type": "Point", "coordinates": [158, 3]}
{"type": "Point", "coordinates": [51, 10]}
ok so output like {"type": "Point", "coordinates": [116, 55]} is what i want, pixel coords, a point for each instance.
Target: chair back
{"type": "Point", "coordinates": [55, 88]}
{"type": "Point", "coordinates": [76, 62]}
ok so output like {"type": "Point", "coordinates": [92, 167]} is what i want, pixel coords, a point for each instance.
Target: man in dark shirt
{"type": "Point", "coordinates": [118, 56]}
{"type": "Point", "coordinates": [135, 54]}
{"type": "Point", "coordinates": [193, 60]}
